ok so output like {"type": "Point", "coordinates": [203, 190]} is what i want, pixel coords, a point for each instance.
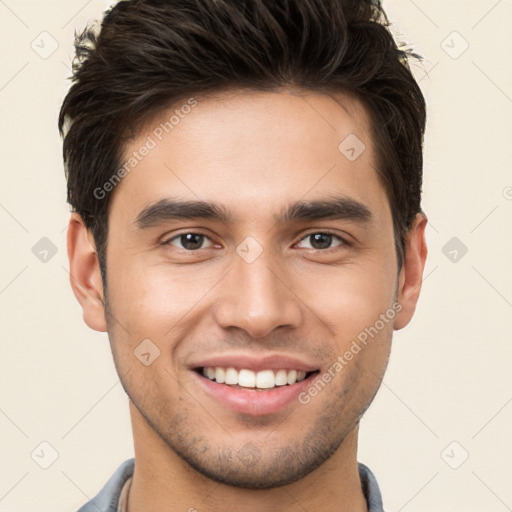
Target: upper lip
{"type": "Point", "coordinates": [244, 361]}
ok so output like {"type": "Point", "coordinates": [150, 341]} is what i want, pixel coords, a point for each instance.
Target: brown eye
{"type": "Point", "coordinates": [322, 241]}
{"type": "Point", "coordinates": [189, 241]}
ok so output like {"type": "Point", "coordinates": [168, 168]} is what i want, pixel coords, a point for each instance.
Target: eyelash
{"type": "Point", "coordinates": [343, 241]}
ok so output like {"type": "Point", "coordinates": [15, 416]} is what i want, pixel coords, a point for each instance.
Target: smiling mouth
{"type": "Point", "coordinates": [251, 380]}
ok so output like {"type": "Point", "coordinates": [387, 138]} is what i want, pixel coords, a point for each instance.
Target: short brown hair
{"type": "Point", "coordinates": [149, 54]}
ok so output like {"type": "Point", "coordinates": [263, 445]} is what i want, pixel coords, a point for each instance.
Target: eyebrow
{"type": "Point", "coordinates": [342, 208]}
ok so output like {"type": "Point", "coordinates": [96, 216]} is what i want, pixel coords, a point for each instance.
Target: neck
{"type": "Point", "coordinates": [162, 481]}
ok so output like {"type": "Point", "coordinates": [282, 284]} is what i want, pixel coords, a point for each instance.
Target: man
{"type": "Point", "coordinates": [245, 178]}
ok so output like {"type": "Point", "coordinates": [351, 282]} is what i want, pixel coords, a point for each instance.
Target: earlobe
{"type": "Point", "coordinates": [411, 275]}
{"type": "Point", "coordinates": [85, 275]}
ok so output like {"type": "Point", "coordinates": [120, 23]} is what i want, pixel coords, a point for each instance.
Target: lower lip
{"type": "Point", "coordinates": [251, 401]}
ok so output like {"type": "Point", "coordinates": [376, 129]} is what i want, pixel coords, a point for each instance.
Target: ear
{"type": "Point", "coordinates": [85, 273]}
{"type": "Point", "coordinates": [411, 274]}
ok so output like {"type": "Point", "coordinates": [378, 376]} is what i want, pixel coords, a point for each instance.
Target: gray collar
{"type": "Point", "coordinates": [108, 498]}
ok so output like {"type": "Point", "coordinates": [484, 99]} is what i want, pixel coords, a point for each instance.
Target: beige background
{"type": "Point", "coordinates": [449, 378]}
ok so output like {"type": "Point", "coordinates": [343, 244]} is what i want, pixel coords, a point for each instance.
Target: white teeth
{"type": "Point", "coordinates": [231, 376]}
{"type": "Point", "coordinates": [264, 379]}
{"type": "Point", "coordinates": [219, 375]}
{"type": "Point", "coordinates": [247, 379]}
{"type": "Point", "coordinates": [281, 378]}
{"type": "Point", "coordinates": [292, 376]}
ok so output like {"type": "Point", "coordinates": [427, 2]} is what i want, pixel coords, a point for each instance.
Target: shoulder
{"type": "Point", "coordinates": [107, 499]}
{"type": "Point", "coordinates": [370, 488]}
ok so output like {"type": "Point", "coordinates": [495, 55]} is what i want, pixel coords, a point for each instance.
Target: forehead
{"type": "Point", "coordinates": [248, 149]}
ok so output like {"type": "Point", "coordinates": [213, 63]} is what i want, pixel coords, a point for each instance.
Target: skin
{"type": "Point", "coordinates": [255, 153]}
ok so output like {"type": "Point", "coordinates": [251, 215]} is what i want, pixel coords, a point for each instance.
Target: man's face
{"type": "Point", "coordinates": [252, 292]}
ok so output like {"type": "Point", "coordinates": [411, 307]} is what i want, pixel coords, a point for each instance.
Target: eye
{"type": "Point", "coordinates": [323, 240]}
{"type": "Point", "coordinates": [189, 241]}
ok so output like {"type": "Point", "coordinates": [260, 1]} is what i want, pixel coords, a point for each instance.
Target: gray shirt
{"type": "Point", "coordinates": [107, 500]}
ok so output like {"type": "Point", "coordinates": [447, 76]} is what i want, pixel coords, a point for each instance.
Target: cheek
{"type": "Point", "coordinates": [350, 298]}
{"type": "Point", "coordinates": [151, 299]}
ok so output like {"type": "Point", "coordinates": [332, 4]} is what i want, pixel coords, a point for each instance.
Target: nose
{"type": "Point", "coordinates": [256, 297]}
